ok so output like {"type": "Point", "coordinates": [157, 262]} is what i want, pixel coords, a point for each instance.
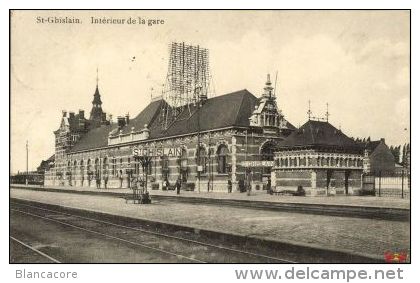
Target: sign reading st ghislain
{"type": "Point", "coordinates": [58, 20]}
{"type": "Point", "coordinates": [157, 151]}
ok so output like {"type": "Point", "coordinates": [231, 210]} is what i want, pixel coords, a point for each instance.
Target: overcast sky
{"type": "Point", "coordinates": [357, 61]}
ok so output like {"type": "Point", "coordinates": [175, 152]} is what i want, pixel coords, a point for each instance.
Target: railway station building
{"type": "Point", "coordinates": [213, 138]}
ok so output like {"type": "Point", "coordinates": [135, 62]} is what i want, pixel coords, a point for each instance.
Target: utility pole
{"type": "Point", "coordinates": [198, 149]}
{"type": "Point", "coordinates": [27, 154]}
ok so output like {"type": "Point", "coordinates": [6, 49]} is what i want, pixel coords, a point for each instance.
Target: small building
{"type": "Point", "coordinates": [378, 158]}
{"type": "Point", "coordinates": [319, 158]}
{"type": "Point", "coordinates": [46, 165]}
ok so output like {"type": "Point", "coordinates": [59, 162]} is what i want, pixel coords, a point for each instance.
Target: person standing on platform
{"type": "Point", "coordinates": [165, 184]}
{"type": "Point", "coordinates": [178, 186]}
{"type": "Point", "coordinates": [269, 186]}
{"type": "Point", "coordinates": [229, 186]}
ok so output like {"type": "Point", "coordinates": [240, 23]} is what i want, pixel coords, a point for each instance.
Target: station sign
{"type": "Point", "coordinates": [157, 151]}
{"type": "Point", "coordinates": [258, 163]}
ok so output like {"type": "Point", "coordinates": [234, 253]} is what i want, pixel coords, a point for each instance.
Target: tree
{"type": "Point", "coordinates": [404, 155]}
{"type": "Point", "coordinates": [395, 150]}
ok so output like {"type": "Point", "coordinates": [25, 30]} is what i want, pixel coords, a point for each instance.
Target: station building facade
{"type": "Point", "coordinates": [215, 136]}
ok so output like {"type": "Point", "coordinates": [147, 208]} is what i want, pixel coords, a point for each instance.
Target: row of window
{"type": "Point", "coordinates": [319, 161]}
{"type": "Point", "coordinates": [112, 166]}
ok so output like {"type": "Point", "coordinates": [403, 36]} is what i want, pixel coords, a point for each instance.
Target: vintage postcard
{"type": "Point", "coordinates": [196, 136]}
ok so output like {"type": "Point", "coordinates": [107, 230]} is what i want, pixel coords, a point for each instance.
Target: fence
{"type": "Point", "coordinates": [30, 179]}
{"type": "Point", "coordinates": [387, 184]}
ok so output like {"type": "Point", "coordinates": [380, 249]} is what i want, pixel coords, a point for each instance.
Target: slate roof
{"type": "Point", "coordinates": [372, 145]}
{"type": "Point", "coordinates": [97, 137]}
{"type": "Point", "coordinates": [97, 96]}
{"type": "Point", "coordinates": [75, 122]}
{"type": "Point", "coordinates": [318, 133]}
{"type": "Point", "coordinates": [232, 109]}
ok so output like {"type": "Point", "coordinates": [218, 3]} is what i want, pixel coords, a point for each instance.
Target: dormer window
{"type": "Point", "coordinates": [266, 113]}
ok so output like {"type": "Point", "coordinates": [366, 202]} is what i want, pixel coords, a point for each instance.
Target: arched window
{"type": "Point", "coordinates": [97, 167]}
{"type": "Point", "coordinates": [105, 166]}
{"type": "Point", "coordinates": [222, 154]}
{"type": "Point", "coordinates": [89, 166]}
{"type": "Point", "coordinates": [165, 167]}
{"type": "Point", "coordinates": [267, 153]}
{"type": "Point", "coordinates": [202, 159]}
{"type": "Point", "coordinates": [82, 168]}
{"type": "Point", "coordinates": [69, 167]}
{"type": "Point", "coordinates": [74, 167]}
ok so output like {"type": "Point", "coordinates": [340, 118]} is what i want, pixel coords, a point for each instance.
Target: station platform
{"type": "Point", "coordinates": [362, 236]}
{"type": "Point", "coordinates": [256, 196]}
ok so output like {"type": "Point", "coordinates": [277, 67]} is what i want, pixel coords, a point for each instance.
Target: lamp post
{"type": "Point", "coordinates": [145, 163]}
{"type": "Point", "coordinates": [198, 147]}
{"type": "Point", "coordinates": [27, 170]}
{"type": "Point", "coordinates": [210, 166]}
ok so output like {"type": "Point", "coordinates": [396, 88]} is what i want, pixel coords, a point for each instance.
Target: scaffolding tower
{"type": "Point", "coordinates": [187, 81]}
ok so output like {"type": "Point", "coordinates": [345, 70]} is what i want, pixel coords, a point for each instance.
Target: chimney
{"type": "Point", "coordinates": [64, 113]}
{"type": "Point", "coordinates": [383, 140]}
{"type": "Point", "coordinates": [121, 122]}
{"type": "Point", "coordinates": [81, 114]}
{"type": "Point", "coordinates": [127, 118]}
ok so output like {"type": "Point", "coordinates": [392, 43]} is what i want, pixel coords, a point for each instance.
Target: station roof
{"type": "Point", "coordinates": [319, 134]}
{"type": "Point", "coordinates": [229, 110]}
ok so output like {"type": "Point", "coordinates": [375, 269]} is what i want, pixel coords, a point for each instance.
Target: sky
{"type": "Point", "coordinates": [356, 61]}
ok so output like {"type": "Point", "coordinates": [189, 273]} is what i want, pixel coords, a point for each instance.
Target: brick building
{"type": "Point", "coordinates": [378, 158]}
{"type": "Point", "coordinates": [215, 136]}
{"type": "Point", "coordinates": [321, 159]}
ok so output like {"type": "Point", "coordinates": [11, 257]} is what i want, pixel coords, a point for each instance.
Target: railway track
{"type": "Point", "coordinates": [35, 251]}
{"type": "Point", "coordinates": [167, 244]}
